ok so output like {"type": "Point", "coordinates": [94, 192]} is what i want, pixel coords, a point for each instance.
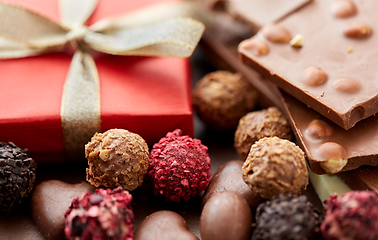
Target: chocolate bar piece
{"type": "Point", "coordinates": [357, 146]}
{"type": "Point", "coordinates": [325, 55]}
{"type": "Point", "coordinates": [316, 134]}
{"type": "Point", "coordinates": [257, 13]}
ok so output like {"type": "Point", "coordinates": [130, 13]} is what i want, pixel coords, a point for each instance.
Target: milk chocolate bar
{"type": "Point", "coordinates": [316, 134]}
{"type": "Point", "coordinates": [325, 55]}
{"type": "Point", "coordinates": [357, 146]}
{"type": "Point", "coordinates": [257, 13]}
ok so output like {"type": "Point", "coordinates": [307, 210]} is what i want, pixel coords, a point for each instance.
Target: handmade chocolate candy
{"type": "Point", "coordinates": [163, 225]}
{"type": "Point", "coordinates": [49, 202]}
{"type": "Point", "coordinates": [226, 215]}
{"type": "Point", "coordinates": [229, 178]}
{"type": "Point", "coordinates": [334, 71]}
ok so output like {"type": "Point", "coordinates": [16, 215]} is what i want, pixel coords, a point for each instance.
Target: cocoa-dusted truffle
{"type": "Point", "coordinates": [117, 157]}
{"type": "Point", "coordinates": [253, 126]}
{"type": "Point", "coordinates": [287, 217]}
{"type": "Point", "coordinates": [275, 166]}
{"type": "Point", "coordinates": [106, 214]}
{"type": "Point", "coordinates": [17, 176]}
{"type": "Point", "coordinates": [221, 98]}
{"type": "Point", "coordinates": [354, 215]}
{"type": "Point", "coordinates": [179, 166]}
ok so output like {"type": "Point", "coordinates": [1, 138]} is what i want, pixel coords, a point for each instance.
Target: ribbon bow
{"type": "Point", "coordinates": [148, 32]}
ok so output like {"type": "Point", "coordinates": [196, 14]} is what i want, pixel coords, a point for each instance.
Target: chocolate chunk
{"type": "Point", "coordinates": [221, 98]}
{"type": "Point", "coordinates": [345, 102]}
{"type": "Point", "coordinates": [226, 215]}
{"type": "Point", "coordinates": [164, 225]}
{"type": "Point", "coordinates": [229, 178]}
{"type": "Point", "coordinates": [275, 166]}
{"type": "Point", "coordinates": [117, 157]}
{"type": "Point", "coordinates": [17, 176]}
{"type": "Point", "coordinates": [50, 201]}
{"type": "Point", "coordinates": [259, 124]}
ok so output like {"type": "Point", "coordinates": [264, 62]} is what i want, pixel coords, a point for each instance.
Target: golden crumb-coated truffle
{"type": "Point", "coordinates": [275, 166]}
{"type": "Point", "coordinates": [255, 125]}
{"type": "Point", "coordinates": [117, 157]}
{"type": "Point", "coordinates": [221, 98]}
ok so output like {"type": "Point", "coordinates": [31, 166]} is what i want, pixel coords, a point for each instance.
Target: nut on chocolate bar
{"type": "Point", "coordinates": [259, 124]}
{"type": "Point", "coordinates": [221, 98]}
{"type": "Point", "coordinates": [275, 166]}
{"type": "Point", "coordinates": [117, 157]}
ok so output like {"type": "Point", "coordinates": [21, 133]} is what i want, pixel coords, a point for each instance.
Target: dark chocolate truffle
{"type": "Point", "coordinates": [275, 166]}
{"type": "Point", "coordinates": [179, 167]}
{"type": "Point", "coordinates": [252, 127]}
{"type": "Point", "coordinates": [105, 214]}
{"type": "Point", "coordinates": [221, 98]}
{"type": "Point", "coordinates": [354, 215]}
{"type": "Point", "coordinates": [117, 157]}
{"type": "Point", "coordinates": [287, 217]}
{"type": "Point", "coordinates": [17, 176]}
{"type": "Point", "coordinates": [226, 215]}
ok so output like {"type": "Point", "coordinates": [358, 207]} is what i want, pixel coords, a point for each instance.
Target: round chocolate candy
{"type": "Point", "coordinates": [275, 166]}
{"type": "Point", "coordinates": [117, 157]}
{"type": "Point", "coordinates": [287, 217]}
{"type": "Point", "coordinates": [49, 202]}
{"type": "Point", "coordinates": [17, 176]}
{"type": "Point", "coordinates": [226, 215]}
{"type": "Point", "coordinates": [221, 98]}
{"type": "Point", "coordinates": [164, 225]}
{"type": "Point", "coordinates": [229, 178]}
{"type": "Point", "coordinates": [259, 124]}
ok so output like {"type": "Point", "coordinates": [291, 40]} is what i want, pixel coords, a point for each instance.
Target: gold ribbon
{"type": "Point", "coordinates": [153, 31]}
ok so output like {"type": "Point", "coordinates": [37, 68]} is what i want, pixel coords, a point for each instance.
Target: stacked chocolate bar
{"type": "Point", "coordinates": [316, 61]}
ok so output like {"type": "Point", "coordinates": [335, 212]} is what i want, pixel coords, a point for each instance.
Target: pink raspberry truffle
{"type": "Point", "coordinates": [179, 167]}
{"type": "Point", "coordinates": [354, 215]}
{"type": "Point", "coordinates": [105, 214]}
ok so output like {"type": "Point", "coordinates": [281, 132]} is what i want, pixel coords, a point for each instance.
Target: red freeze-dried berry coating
{"type": "Point", "coordinates": [105, 214]}
{"type": "Point", "coordinates": [354, 215]}
{"type": "Point", "coordinates": [179, 166]}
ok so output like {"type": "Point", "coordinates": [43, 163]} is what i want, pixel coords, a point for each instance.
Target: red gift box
{"type": "Point", "coordinates": [145, 95]}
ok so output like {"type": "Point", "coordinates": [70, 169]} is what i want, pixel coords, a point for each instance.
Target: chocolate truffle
{"type": "Point", "coordinates": [179, 166]}
{"type": "Point", "coordinates": [164, 225]}
{"type": "Point", "coordinates": [252, 127]}
{"type": "Point", "coordinates": [105, 214]}
{"type": "Point", "coordinates": [49, 202]}
{"type": "Point", "coordinates": [275, 166]}
{"type": "Point", "coordinates": [229, 178]}
{"type": "Point", "coordinates": [17, 176]}
{"type": "Point", "coordinates": [287, 217]}
{"type": "Point", "coordinates": [226, 216]}
{"type": "Point", "coordinates": [117, 157]}
{"type": "Point", "coordinates": [221, 98]}
{"type": "Point", "coordinates": [354, 215]}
